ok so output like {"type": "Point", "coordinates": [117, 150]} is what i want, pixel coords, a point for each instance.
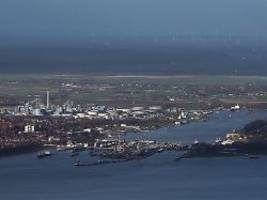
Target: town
{"type": "Point", "coordinates": [74, 112]}
{"type": "Point", "coordinates": [70, 126]}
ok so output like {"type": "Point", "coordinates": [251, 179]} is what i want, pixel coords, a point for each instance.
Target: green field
{"type": "Point", "coordinates": [133, 89]}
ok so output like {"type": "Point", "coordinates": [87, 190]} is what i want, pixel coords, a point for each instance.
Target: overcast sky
{"type": "Point", "coordinates": [79, 18]}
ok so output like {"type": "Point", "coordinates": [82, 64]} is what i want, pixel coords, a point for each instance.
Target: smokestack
{"type": "Point", "coordinates": [47, 99]}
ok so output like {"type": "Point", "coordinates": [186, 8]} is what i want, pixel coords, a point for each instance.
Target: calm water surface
{"type": "Point", "coordinates": [159, 177]}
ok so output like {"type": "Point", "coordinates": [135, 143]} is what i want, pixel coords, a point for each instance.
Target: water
{"type": "Point", "coordinates": [133, 57]}
{"type": "Point", "coordinates": [220, 124]}
{"type": "Point", "coordinates": [158, 177]}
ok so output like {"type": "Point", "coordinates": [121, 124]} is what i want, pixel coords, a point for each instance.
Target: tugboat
{"type": "Point", "coordinates": [44, 154]}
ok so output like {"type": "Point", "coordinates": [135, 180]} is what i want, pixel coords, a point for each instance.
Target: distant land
{"type": "Point", "coordinates": [136, 57]}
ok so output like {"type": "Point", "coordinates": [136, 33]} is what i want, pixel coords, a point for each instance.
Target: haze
{"type": "Point", "coordinates": [127, 17]}
{"type": "Point", "coordinates": [133, 33]}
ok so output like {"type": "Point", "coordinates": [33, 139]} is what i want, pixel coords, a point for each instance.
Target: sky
{"type": "Point", "coordinates": [133, 36]}
{"type": "Point", "coordinates": [118, 18]}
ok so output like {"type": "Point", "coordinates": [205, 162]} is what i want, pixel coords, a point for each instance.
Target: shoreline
{"type": "Point", "coordinates": [9, 152]}
{"type": "Point", "coordinates": [37, 147]}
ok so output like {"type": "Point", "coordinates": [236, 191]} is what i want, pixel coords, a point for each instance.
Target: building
{"type": "Point", "coordinates": [29, 129]}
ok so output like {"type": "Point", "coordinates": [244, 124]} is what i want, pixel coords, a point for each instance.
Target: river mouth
{"type": "Point", "coordinates": [220, 123]}
{"type": "Point", "coordinates": [156, 177]}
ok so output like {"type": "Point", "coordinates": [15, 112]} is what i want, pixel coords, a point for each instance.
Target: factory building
{"type": "Point", "coordinates": [29, 129]}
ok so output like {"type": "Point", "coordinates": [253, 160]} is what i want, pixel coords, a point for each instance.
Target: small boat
{"type": "Point", "coordinates": [74, 154]}
{"type": "Point", "coordinates": [160, 150]}
{"type": "Point", "coordinates": [185, 155]}
{"type": "Point", "coordinates": [60, 149]}
{"type": "Point", "coordinates": [253, 156]}
{"type": "Point", "coordinates": [99, 162]}
{"type": "Point", "coordinates": [77, 164]}
{"type": "Point", "coordinates": [44, 154]}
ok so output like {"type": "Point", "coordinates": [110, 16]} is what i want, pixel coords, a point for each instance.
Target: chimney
{"type": "Point", "coordinates": [47, 100]}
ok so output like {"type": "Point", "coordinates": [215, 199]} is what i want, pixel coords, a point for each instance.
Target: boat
{"type": "Point", "coordinates": [74, 154]}
{"type": "Point", "coordinates": [77, 164]}
{"type": "Point", "coordinates": [61, 149]}
{"type": "Point", "coordinates": [99, 162]}
{"type": "Point", "coordinates": [252, 156]}
{"type": "Point", "coordinates": [44, 154]}
{"type": "Point", "coordinates": [160, 150]}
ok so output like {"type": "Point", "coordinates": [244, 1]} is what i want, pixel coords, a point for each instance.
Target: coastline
{"type": "Point", "coordinates": [20, 150]}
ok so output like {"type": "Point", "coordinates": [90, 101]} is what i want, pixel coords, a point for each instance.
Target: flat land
{"type": "Point", "coordinates": [187, 91]}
